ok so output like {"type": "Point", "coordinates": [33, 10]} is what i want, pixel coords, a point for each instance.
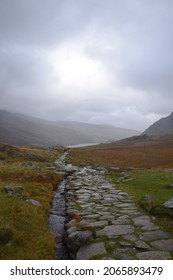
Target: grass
{"type": "Point", "coordinates": [143, 154]}
{"type": "Point", "coordinates": [153, 182]}
{"type": "Point", "coordinates": [24, 231]}
{"type": "Point", "coordinates": [156, 183]}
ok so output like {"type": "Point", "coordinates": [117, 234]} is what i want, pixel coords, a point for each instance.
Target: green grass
{"type": "Point", "coordinates": [153, 182]}
{"type": "Point", "coordinates": [156, 183]}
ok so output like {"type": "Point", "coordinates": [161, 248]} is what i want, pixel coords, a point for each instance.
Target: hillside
{"type": "Point", "coordinates": [136, 152]}
{"type": "Point", "coordinates": [16, 129]}
{"type": "Point", "coordinates": [25, 178]}
{"type": "Point", "coordinates": [162, 126]}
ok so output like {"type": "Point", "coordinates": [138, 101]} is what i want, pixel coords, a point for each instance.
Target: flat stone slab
{"type": "Point", "coordinates": [124, 254]}
{"type": "Point", "coordinates": [130, 237]}
{"type": "Point", "coordinates": [153, 235]}
{"type": "Point", "coordinates": [132, 213]}
{"type": "Point", "coordinates": [99, 224]}
{"type": "Point", "coordinates": [89, 251]}
{"type": "Point", "coordinates": [142, 221]}
{"type": "Point", "coordinates": [116, 230]}
{"type": "Point", "coordinates": [149, 227]}
{"type": "Point", "coordinates": [154, 255]}
{"type": "Point", "coordinates": [107, 218]}
{"type": "Point", "coordinates": [125, 243]}
{"type": "Point", "coordinates": [163, 245]}
{"type": "Point", "coordinates": [121, 222]}
{"type": "Point", "coordinates": [142, 245]}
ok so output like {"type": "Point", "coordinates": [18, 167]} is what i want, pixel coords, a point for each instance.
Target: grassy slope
{"type": "Point", "coordinates": [25, 226]}
{"type": "Point", "coordinates": [144, 154]}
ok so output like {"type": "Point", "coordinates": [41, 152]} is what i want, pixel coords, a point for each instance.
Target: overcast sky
{"type": "Point", "coordinates": [96, 61]}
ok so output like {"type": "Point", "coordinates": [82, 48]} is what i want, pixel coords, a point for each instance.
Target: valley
{"type": "Point", "coordinates": [97, 176]}
{"type": "Point", "coordinates": [113, 199]}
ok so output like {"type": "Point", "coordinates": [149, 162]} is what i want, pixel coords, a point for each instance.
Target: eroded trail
{"type": "Point", "coordinates": [102, 222]}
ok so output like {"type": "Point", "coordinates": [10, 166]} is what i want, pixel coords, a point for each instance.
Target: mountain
{"type": "Point", "coordinates": [161, 127]}
{"type": "Point", "coordinates": [17, 129]}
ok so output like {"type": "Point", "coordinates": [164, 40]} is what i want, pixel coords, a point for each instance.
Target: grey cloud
{"type": "Point", "coordinates": [41, 22]}
{"type": "Point", "coordinates": [132, 40]}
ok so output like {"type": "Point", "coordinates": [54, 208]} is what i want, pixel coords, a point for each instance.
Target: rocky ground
{"type": "Point", "coordinates": [102, 222]}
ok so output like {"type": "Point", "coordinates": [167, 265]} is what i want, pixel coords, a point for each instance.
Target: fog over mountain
{"type": "Point", "coordinates": [16, 129]}
{"type": "Point", "coordinates": [92, 61]}
{"type": "Point", "coordinates": [162, 126]}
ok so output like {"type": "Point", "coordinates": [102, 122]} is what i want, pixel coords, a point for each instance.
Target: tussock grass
{"type": "Point", "coordinates": [24, 231]}
{"type": "Point", "coordinates": [143, 154]}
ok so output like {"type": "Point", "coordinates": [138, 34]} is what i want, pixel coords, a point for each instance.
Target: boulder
{"type": "Point", "coordinates": [34, 202]}
{"type": "Point", "coordinates": [77, 239]}
{"type": "Point", "coordinates": [169, 203]}
{"type": "Point", "coordinates": [89, 251]}
{"type": "Point", "coordinates": [13, 188]}
{"type": "Point", "coordinates": [27, 164]}
{"type": "Point", "coordinates": [147, 202]}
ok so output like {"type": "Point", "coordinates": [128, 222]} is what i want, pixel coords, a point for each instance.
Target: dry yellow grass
{"type": "Point", "coordinates": [24, 231]}
{"type": "Point", "coordinates": [143, 154]}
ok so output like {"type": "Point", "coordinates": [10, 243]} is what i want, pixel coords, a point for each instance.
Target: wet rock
{"type": "Point", "coordinates": [51, 168]}
{"type": "Point", "coordinates": [125, 244]}
{"type": "Point", "coordinates": [130, 237]}
{"type": "Point", "coordinates": [72, 212]}
{"type": "Point", "coordinates": [71, 230]}
{"type": "Point", "coordinates": [99, 224]}
{"type": "Point", "coordinates": [169, 203]}
{"type": "Point", "coordinates": [56, 224]}
{"type": "Point", "coordinates": [149, 227]}
{"type": "Point", "coordinates": [27, 164]}
{"type": "Point", "coordinates": [153, 235]}
{"type": "Point", "coordinates": [61, 251]}
{"type": "Point", "coordinates": [13, 188]}
{"type": "Point", "coordinates": [147, 202]}
{"type": "Point", "coordinates": [121, 222]}
{"type": "Point", "coordinates": [142, 245]}
{"type": "Point", "coordinates": [114, 231]}
{"type": "Point", "coordinates": [142, 221]}
{"type": "Point", "coordinates": [76, 239]}
{"type": "Point", "coordinates": [71, 223]}
{"type": "Point", "coordinates": [34, 202]}
{"type": "Point", "coordinates": [163, 245]}
{"type": "Point", "coordinates": [89, 251]}
{"type": "Point", "coordinates": [107, 217]}
{"type": "Point", "coordinates": [124, 254]}
{"type": "Point", "coordinates": [154, 255]}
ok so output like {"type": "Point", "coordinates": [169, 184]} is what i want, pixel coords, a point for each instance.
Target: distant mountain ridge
{"type": "Point", "coordinates": [17, 129]}
{"type": "Point", "coordinates": [160, 127]}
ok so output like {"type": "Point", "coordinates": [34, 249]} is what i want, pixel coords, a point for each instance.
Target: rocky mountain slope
{"type": "Point", "coordinates": [162, 126]}
{"type": "Point", "coordinates": [16, 129]}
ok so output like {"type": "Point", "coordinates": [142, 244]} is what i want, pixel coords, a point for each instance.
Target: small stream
{"type": "Point", "coordinates": [57, 217]}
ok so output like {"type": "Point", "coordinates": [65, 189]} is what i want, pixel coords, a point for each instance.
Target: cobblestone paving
{"type": "Point", "coordinates": [104, 223]}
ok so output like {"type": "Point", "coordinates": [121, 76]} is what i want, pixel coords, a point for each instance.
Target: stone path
{"type": "Point", "coordinates": [102, 222]}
